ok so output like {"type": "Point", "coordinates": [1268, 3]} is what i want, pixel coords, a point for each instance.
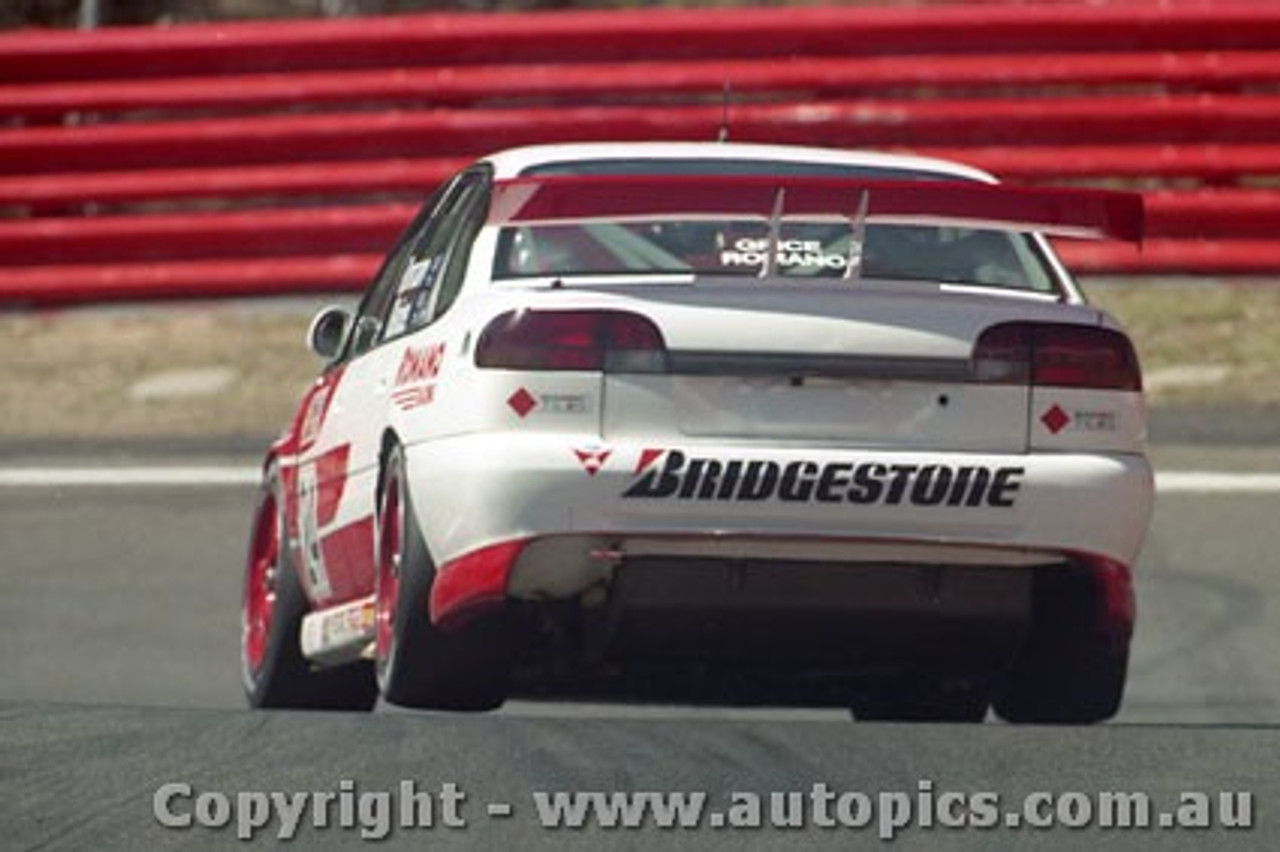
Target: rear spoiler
{"type": "Point", "coordinates": [1087, 213]}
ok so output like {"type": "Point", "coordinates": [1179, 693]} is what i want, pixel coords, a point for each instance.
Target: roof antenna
{"type": "Point", "coordinates": [725, 99]}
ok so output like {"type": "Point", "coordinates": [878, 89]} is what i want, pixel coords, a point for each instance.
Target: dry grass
{"type": "Point", "coordinates": [68, 374]}
{"type": "Point", "coordinates": [1192, 324]}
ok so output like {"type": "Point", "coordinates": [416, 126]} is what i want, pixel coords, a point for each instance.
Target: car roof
{"type": "Point", "coordinates": [515, 161]}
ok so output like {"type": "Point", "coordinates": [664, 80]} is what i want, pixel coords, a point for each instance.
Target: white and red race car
{"type": "Point", "coordinates": [753, 423]}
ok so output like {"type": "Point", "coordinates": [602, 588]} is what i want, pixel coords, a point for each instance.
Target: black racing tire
{"type": "Point", "coordinates": [274, 672]}
{"type": "Point", "coordinates": [921, 701]}
{"type": "Point", "coordinates": [1069, 671]}
{"type": "Point", "coordinates": [419, 665]}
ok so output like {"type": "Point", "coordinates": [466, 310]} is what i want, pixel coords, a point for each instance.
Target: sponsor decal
{"type": "Point", "coordinates": [407, 398]}
{"type": "Point", "coordinates": [347, 624]}
{"type": "Point", "coordinates": [416, 375]}
{"type": "Point", "coordinates": [797, 254]}
{"type": "Point", "coordinates": [522, 402]}
{"type": "Point", "coordinates": [1057, 420]}
{"type": "Point", "coordinates": [593, 458]}
{"type": "Point", "coordinates": [668, 473]}
{"type": "Point", "coordinates": [420, 364]}
{"type": "Point", "coordinates": [563, 403]}
{"type": "Point", "coordinates": [1096, 421]}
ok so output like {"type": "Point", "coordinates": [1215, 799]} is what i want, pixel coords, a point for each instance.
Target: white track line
{"type": "Point", "coordinates": [1211, 482]}
{"type": "Point", "coordinates": [1167, 482]}
{"type": "Point", "coordinates": [60, 477]}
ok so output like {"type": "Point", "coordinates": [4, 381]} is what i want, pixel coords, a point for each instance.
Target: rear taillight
{"type": "Point", "coordinates": [1002, 355]}
{"type": "Point", "coordinates": [1056, 355]}
{"type": "Point", "coordinates": [612, 341]}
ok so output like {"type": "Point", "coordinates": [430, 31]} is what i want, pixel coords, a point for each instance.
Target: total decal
{"type": "Point", "coordinates": [523, 402]}
{"type": "Point", "coordinates": [1056, 420]}
{"type": "Point", "coordinates": [415, 384]}
{"type": "Point", "coordinates": [672, 474]}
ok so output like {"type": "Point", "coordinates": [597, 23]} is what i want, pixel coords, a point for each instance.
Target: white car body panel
{"type": "Point", "coordinates": [499, 488]}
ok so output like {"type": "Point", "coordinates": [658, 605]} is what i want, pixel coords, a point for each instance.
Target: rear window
{"type": "Point", "coordinates": [805, 249]}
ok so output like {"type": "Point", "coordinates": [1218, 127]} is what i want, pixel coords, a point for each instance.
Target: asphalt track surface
{"type": "Point", "coordinates": [118, 625]}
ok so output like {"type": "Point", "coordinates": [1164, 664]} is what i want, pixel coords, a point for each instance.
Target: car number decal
{"type": "Point", "coordinates": [309, 532]}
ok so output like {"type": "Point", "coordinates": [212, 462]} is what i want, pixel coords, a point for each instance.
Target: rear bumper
{"type": "Point", "coordinates": [583, 507]}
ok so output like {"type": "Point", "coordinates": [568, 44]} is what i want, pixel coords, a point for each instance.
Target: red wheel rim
{"type": "Point", "coordinates": [389, 557]}
{"type": "Point", "coordinates": [259, 600]}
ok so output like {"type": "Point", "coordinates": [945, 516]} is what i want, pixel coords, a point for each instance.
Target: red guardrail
{"type": "Point", "coordinates": [620, 35]}
{"type": "Point", "coordinates": [1109, 120]}
{"type": "Point", "coordinates": [276, 157]}
{"type": "Point", "coordinates": [642, 81]}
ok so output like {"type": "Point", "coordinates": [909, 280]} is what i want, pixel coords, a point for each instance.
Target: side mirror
{"type": "Point", "coordinates": [328, 331]}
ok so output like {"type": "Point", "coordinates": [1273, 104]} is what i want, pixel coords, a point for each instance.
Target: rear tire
{"type": "Point", "coordinates": [1070, 671]}
{"type": "Point", "coordinates": [274, 672]}
{"type": "Point", "coordinates": [419, 665]}
{"type": "Point", "coordinates": [922, 701]}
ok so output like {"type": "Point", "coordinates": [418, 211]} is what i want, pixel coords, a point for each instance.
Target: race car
{"type": "Point", "coordinates": [713, 421]}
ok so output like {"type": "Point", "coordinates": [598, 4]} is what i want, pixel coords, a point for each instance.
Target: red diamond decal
{"type": "Point", "coordinates": [1055, 419]}
{"type": "Point", "coordinates": [522, 402]}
